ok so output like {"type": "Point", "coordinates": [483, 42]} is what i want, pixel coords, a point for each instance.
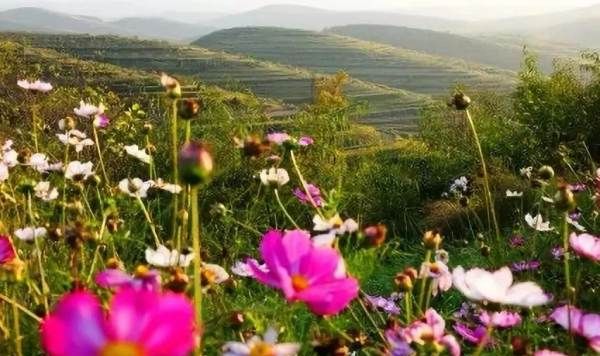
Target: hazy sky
{"type": "Point", "coordinates": [449, 8]}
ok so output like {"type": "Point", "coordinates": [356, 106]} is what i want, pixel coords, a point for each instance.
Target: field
{"type": "Point", "coordinates": [244, 204]}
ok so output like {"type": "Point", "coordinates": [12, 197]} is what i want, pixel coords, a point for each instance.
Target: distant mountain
{"type": "Point", "coordinates": [310, 18]}
{"type": "Point", "coordinates": [479, 50]}
{"type": "Point", "coordinates": [33, 19]}
{"type": "Point", "coordinates": [584, 32]}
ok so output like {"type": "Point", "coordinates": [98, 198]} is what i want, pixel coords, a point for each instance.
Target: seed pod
{"type": "Point", "coordinates": [196, 163]}
{"type": "Point", "coordinates": [375, 234]}
{"type": "Point", "coordinates": [546, 172]}
{"type": "Point", "coordinates": [460, 101]}
{"type": "Point", "coordinates": [189, 108]}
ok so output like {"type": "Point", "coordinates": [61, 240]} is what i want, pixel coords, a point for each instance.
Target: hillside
{"type": "Point", "coordinates": [584, 32]}
{"type": "Point", "coordinates": [311, 18]}
{"type": "Point", "coordinates": [33, 19]}
{"type": "Point", "coordinates": [390, 109]}
{"type": "Point", "coordinates": [506, 56]}
{"type": "Point", "coordinates": [378, 63]}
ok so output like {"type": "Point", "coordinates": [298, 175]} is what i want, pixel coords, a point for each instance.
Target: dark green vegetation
{"type": "Point", "coordinates": [327, 53]}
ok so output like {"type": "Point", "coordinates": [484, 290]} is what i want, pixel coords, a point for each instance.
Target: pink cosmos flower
{"type": "Point", "coordinates": [7, 250]}
{"type": "Point", "coordinates": [546, 352]}
{"type": "Point", "coordinates": [580, 323]}
{"type": "Point", "coordinates": [142, 279]}
{"type": "Point", "coordinates": [586, 245]}
{"type": "Point", "coordinates": [139, 322]}
{"type": "Point", "coordinates": [38, 85]}
{"type": "Point", "coordinates": [306, 141]}
{"type": "Point", "coordinates": [475, 335]}
{"type": "Point", "coordinates": [305, 272]}
{"type": "Point", "coordinates": [315, 194]}
{"type": "Point", "coordinates": [503, 319]}
{"type": "Point", "coordinates": [440, 275]}
{"type": "Point", "coordinates": [101, 121]}
{"type": "Point", "coordinates": [428, 331]}
{"type": "Point", "coordinates": [278, 138]}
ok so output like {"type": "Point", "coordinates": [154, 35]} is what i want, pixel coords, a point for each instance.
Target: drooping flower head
{"type": "Point", "coordinates": [586, 245]}
{"type": "Point", "coordinates": [139, 322]}
{"type": "Point", "coordinates": [171, 85]}
{"type": "Point", "coordinates": [274, 177]}
{"type": "Point", "coordinates": [497, 287]}
{"type": "Point", "coordinates": [304, 272]}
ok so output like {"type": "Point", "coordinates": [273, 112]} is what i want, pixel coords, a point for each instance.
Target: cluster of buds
{"type": "Point", "coordinates": [432, 240]}
{"type": "Point", "coordinates": [405, 280]}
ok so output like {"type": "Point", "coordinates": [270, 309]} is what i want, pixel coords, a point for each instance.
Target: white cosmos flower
{"type": "Point", "coordinates": [256, 346]}
{"type": "Point", "coordinates": [39, 162]}
{"type": "Point", "coordinates": [30, 233]}
{"type": "Point", "coordinates": [75, 138]}
{"type": "Point", "coordinates": [515, 194]}
{"type": "Point", "coordinates": [38, 85]}
{"type": "Point", "coordinates": [335, 224]}
{"type": "Point", "coordinates": [526, 172]}
{"type": "Point", "coordinates": [538, 223]}
{"type": "Point", "coordinates": [138, 153]}
{"type": "Point", "coordinates": [169, 187]}
{"type": "Point", "coordinates": [8, 156]}
{"type": "Point", "coordinates": [135, 187]}
{"type": "Point", "coordinates": [218, 273]}
{"type": "Point", "coordinates": [576, 224]}
{"type": "Point", "coordinates": [163, 257]}
{"type": "Point", "coordinates": [497, 287]}
{"type": "Point", "coordinates": [88, 110]}
{"type": "Point", "coordinates": [274, 177]}
{"type": "Point", "coordinates": [79, 171]}
{"type": "Point", "coordinates": [44, 192]}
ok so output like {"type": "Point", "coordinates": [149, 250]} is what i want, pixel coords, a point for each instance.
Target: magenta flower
{"type": "Point", "coordinates": [429, 331]}
{"type": "Point", "coordinates": [503, 319]}
{"type": "Point", "coordinates": [579, 323]}
{"type": "Point", "coordinates": [388, 305]}
{"type": "Point", "coordinates": [474, 335]}
{"type": "Point", "coordinates": [557, 252]}
{"type": "Point", "coordinates": [315, 194]}
{"type": "Point", "coordinates": [516, 241]}
{"type": "Point", "coordinates": [7, 250]}
{"type": "Point", "coordinates": [139, 322]}
{"type": "Point", "coordinates": [306, 141]}
{"type": "Point", "coordinates": [304, 272]}
{"type": "Point", "coordinates": [586, 245]}
{"type": "Point", "coordinates": [142, 279]}
{"type": "Point", "coordinates": [101, 121]}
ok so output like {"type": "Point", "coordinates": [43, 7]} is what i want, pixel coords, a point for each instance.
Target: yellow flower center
{"type": "Point", "coordinates": [299, 282]}
{"type": "Point", "coordinates": [262, 349]}
{"type": "Point", "coordinates": [122, 349]}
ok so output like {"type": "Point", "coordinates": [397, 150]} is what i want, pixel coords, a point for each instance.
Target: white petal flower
{"type": "Point", "coordinates": [45, 192]}
{"type": "Point", "coordinates": [256, 346]}
{"type": "Point", "coordinates": [335, 224]}
{"type": "Point", "coordinates": [169, 187]}
{"type": "Point", "coordinates": [576, 224]}
{"type": "Point", "coordinates": [79, 171]}
{"type": "Point", "coordinates": [30, 233]}
{"type": "Point", "coordinates": [163, 257]}
{"type": "Point", "coordinates": [39, 162]}
{"type": "Point", "coordinates": [88, 110]}
{"type": "Point", "coordinates": [75, 138]}
{"type": "Point", "coordinates": [538, 223]}
{"type": "Point", "coordinates": [274, 177]}
{"type": "Point", "coordinates": [135, 187]}
{"type": "Point", "coordinates": [526, 172]}
{"type": "Point", "coordinates": [497, 287]}
{"type": "Point", "coordinates": [38, 85]}
{"type": "Point", "coordinates": [138, 153]}
{"type": "Point", "coordinates": [3, 172]}
{"type": "Point", "coordinates": [515, 194]}
{"type": "Point", "coordinates": [219, 273]}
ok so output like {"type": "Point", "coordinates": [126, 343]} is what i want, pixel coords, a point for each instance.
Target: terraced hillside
{"type": "Point", "coordinates": [378, 63]}
{"type": "Point", "coordinates": [489, 52]}
{"type": "Point", "coordinates": [389, 109]}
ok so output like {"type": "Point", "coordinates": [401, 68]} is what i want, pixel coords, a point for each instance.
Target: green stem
{"type": "Point", "coordinates": [34, 124]}
{"type": "Point", "coordinates": [174, 159]}
{"type": "Point", "coordinates": [370, 317]}
{"type": "Point", "coordinates": [285, 212]}
{"type": "Point", "coordinates": [21, 308]}
{"type": "Point", "coordinates": [424, 282]}
{"type": "Point", "coordinates": [486, 180]}
{"type": "Point", "coordinates": [408, 307]}
{"type": "Point", "coordinates": [149, 220]}
{"type": "Point", "coordinates": [338, 331]}
{"type": "Point", "coordinates": [17, 326]}
{"type": "Point", "coordinates": [63, 218]}
{"type": "Point", "coordinates": [303, 183]}
{"type": "Point", "coordinates": [38, 250]}
{"type": "Point", "coordinates": [569, 288]}
{"type": "Point", "coordinates": [197, 259]}
{"type": "Point", "coordinates": [99, 150]}
{"type": "Point", "coordinates": [484, 342]}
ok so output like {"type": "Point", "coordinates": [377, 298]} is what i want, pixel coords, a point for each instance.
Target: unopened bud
{"type": "Point", "coordinates": [460, 101]}
{"type": "Point", "coordinates": [546, 172]}
{"type": "Point", "coordinates": [147, 128]}
{"type": "Point", "coordinates": [403, 282]}
{"type": "Point", "coordinates": [432, 240]}
{"type": "Point", "coordinates": [564, 199]}
{"type": "Point", "coordinates": [375, 234]}
{"type": "Point", "coordinates": [189, 108]}
{"type": "Point", "coordinates": [485, 250]}
{"type": "Point", "coordinates": [196, 163]}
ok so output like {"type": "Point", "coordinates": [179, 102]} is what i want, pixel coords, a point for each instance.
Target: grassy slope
{"type": "Point", "coordinates": [489, 52]}
{"type": "Point", "coordinates": [399, 68]}
{"type": "Point", "coordinates": [389, 108]}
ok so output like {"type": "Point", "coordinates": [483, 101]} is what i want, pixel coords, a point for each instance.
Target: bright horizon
{"type": "Point", "coordinates": [460, 9]}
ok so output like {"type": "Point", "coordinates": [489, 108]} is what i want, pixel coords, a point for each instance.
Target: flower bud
{"type": "Point", "coordinates": [564, 199]}
{"type": "Point", "coordinates": [237, 318]}
{"type": "Point", "coordinates": [114, 263]}
{"type": "Point", "coordinates": [196, 163]}
{"type": "Point", "coordinates": [68, 123]}
{"type": "Point", "coordinates": [171, 85]}
{"type": "Point", "coordinates": [26, 186]}
{"type": "Point", "coordinates": [403, 282]}
{"type": "Point", "coordinates": [485, 250]}
{"type": "Point", "coordinates": [460, 101]}
{"type": "Point", "coordinates": [189, 108]}
{"type": "Point", "coordinates": [24, 155]}
{"type": "Point", "coordinates": [546, 172]}
{"type": "Point", "coordinates": [432, 240]}
{"type": "Point", "coordinates": [411, 272]}
{"type": "Point", "coordinates": [375, 234]}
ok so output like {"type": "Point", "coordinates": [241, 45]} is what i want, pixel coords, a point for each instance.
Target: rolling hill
{"type": "Point", "coordinates": [369, 61]}
{"type": "Point", "coordinates": [31, 19]}
{"type": "Point", "coordinates": [390, 109]}
{"type": "Point", "coordinates": [489, 52]}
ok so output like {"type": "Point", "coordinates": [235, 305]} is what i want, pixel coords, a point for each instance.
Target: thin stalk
{"type": "Point", "coordinates": [245, 226]}
{"type": "Point", "coordinates": [174, 158]}
{"type": "Point", "coordinates": [151, 165]}
{"type": "Point", "coordinates": [486, 179]}
{"type": "Point", "coordinates": [338, 331]}
{"type": "Point", "coordinates": [370, 317]}
{"type": "Point", "coordinates": [285, 212]}
{"type": "Point", "coordinates": [569, 288]}
{"type": "Point", "coordinates": [304, 185]}
{"type": "Point", "coordinates": [424, 282]}
{"type": "Point", "coordinates": [85, 200]}
{"type": "Point", "coordinates": [197, 260]}
{"type": "Point", "coordinates": [38, 250]}
{"type": "Point", "coordinates": [63, 218]}
{"type": "Point", "coordinates": [26, 311]}
{"type": "Point", "coordinates": [99, 150]}
{"type": "Point", "coordinates": [149, 220]}
{"type": "Point", "coordinates": [17, 326]}
{"type": "Point", "coordinates": [34, 124]}
{"type": "Point", "coordinates": [408, 307]}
